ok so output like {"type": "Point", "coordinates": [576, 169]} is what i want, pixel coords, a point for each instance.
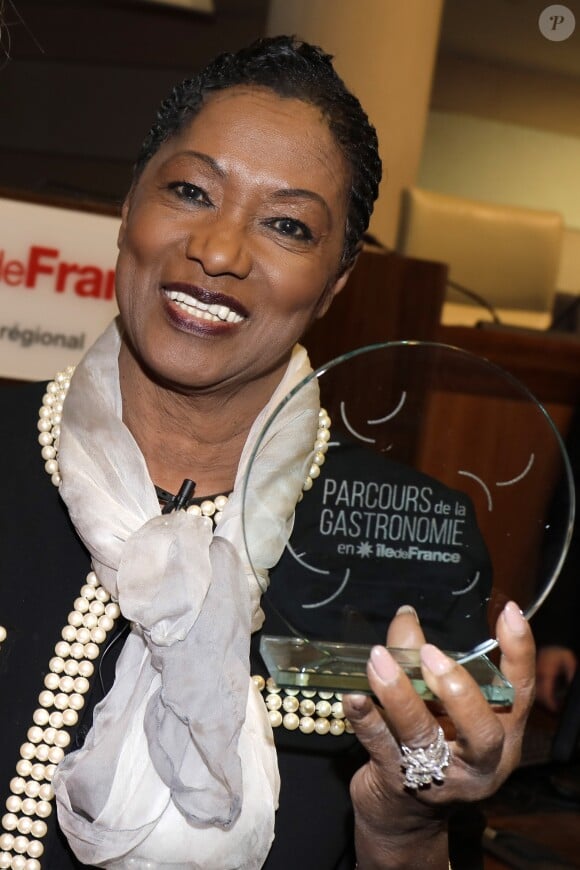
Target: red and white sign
{"type": "Point", "coordinates": [57, 286]}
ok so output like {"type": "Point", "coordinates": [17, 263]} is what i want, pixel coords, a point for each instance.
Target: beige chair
{"type": "Point", "coordinates": [509, 256]}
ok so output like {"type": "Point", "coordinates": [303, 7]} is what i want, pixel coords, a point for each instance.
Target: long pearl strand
{"type": "Point", "coordinates": [70, 669]}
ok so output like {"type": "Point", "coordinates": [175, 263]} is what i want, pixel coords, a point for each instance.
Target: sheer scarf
{"type": "Point", "coordinates": [179, 769]}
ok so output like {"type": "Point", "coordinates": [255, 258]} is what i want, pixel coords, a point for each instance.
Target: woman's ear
{"type": "Point", "coordinates": [124, 218]}
{"type": "Point", "coordinates": [334, 289]}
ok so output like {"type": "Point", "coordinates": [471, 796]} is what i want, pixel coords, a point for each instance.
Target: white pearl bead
{"type": "Point", "coordinates": [6, 841]}
{"type": "Point", "coordinates": [77, 650]}
{"type": "Point", "coordinates": [23, 767]}
{"type": "Point", "coordinates": [3, 634]}
{"type": "Point", "coordinates": [326, 696]}
{"type": "Point", "coordinates": [307, 707]}
{"type": "Point", "coordinates": [321, 446]}
{"type": "Point", "coordinates": [18, 863]}
{"type": "Point", "coordinates": [92, 579]}
{"type": "Point", "coordinates": [83, 635]}
{"type": "Point", "coordinates": [259, 681]}
{"type": "Point", "coordinates": [314, 471]}
{"type": "Point", "coordinates": [66, 684]}
{"type": "Point", "coordinates": [50, 772]}
{"type": "Point", "coordinates": [271, 686]}
{"type": "Point", "coordinates": [32, 789]}
{"type": "Point", "coordinates": [290, 704]}
{"type": "Point", "coordinates": [337, 710]}
{"type": "Point", "coordinates": [75, 619]}
{"type": "Point", "coordinates": [42, 751]}
{"type": "Point", "coordinates": [81, 604]}
{"type": "Point", "coordinates": [208, 508]}
{"type": "Point", "coordinates": [61, 701]}
{"type": "Point", "coordinates": [336, 727]}
{"type": "Point", "coordinates": [71, 667]}
{"type": "Point", "coordinates": [194, 510]}
{"type": "Point", "coordinates": [43, 809]}
{"type": "Point", "coordinates": [318, 458]}
{"type": "Point", "coordinates": [28, 806]}
{"type": "Point", "coordinates": [98, 635]}
{"type": "Point", "coordinates": [13, 804]}
{"type": "Point", "coordinates": [96, 607]}
{"type": "Point", "coordinates": [27, 750]}
{"type": "Point", "coordinates": [44, 426]}
{"type": "Point", "coordinates": [62, 650]}
{"type": "Point", "coordinates": [323, 435]}
{"type": "Point", "coordinates": [46, 792]}
{"type": "Point", "coordinates": [17, 785]}
{"type": "Point", "coordinates": [35, 849]}
{"type": "Point", "coordinates": [32, 864]}
{"type": "Point", "coordinates": [62, 739]}
{"type": "Point", "coordinates": [307, 485]}
{"type": "Point", "coordinates": [76, 701]}
{"type": "Point", "coordinates": [92, 651]}
{"type": "Point", "coordinates": [70, 718]}
{"type": "Point", "coordinates": [221, 501]}
{"type": "Point", "coordinates": [113, 610]}
{"type": "Point", "coordinates": [55, 754]}
{"type": "Point", "coordinates": [322, 726]}
{"type": "Point", "coordinates": [38, 772]}
{"type": "Point", "coordinates": [308, 693]}
{"type": "Point", "coordinates": [40, 716]}
{"type": "Point", "coordinates": [348, 727]}
{"type": "Point", "coordinates": [81, 685]}
{"type": "Point", "coordinates": [20, 844]}
{"type": "Point", "coordinates": [34, 734]}
{"type": "Point", "coordinates": [323, 708]}
{"type": "Point", "coordinates": [69, 633]}
{"type": "Point", "coordinates": [90, 620]}
{"type": "Point", "coordinates": [49, 735]}
{"type": "Point", "coordinates": [9, 822]}
{"type": "Point", "coordinates": [275, 718]}
{"type": "Point", "coordinates": [51, 466]}
{"type": "Point", "coordinates": [273, 702]}
{"type": "Point", "coordinates": [86, 668]}
{"type": "Point", "coordinates": [5, 860]}
{"type": "Point", "coordinates": [88, 591]}
{"type": "Point", "coordinates": [55, 719]}
{"type": "Point", "coordinates": [39, 829]}
{"type": "Point", "coordinates": [24, 825]}
{"type": "Point", "coordinates": [307, 725]}
{"type": "Point", "coordinates": [105, 622]}
{"type": "Point", "coordinates": [291, 721]}
{"type": "Point", "coordinates": [51, 681]}
{"type": "Point", "coordinates": [46, 699]}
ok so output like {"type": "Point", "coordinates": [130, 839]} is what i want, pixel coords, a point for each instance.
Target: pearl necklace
{"type": "Point", "coordinates": [50, 417]}
{"type": "Point", "coordinates": [89, 622]}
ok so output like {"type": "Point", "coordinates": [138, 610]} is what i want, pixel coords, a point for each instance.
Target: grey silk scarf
{"type": "Point", "coordinates": [179, 768]}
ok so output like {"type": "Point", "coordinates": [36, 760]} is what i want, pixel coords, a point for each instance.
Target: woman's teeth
{"type": "Point", "coordinates": [215, 313]}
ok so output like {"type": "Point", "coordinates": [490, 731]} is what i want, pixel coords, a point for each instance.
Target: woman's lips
{"type": "Point", "coordinates": [204, 304]}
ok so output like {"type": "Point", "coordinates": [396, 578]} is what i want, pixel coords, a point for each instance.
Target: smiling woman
{"type": "Point", "coordinates": [246, 213]}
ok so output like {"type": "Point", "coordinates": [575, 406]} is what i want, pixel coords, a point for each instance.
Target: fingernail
{"type": "Point", "coordinates": [406, 608]}
{"type": "Point", "coordinates": [384, 665]}
{"type": "Point", "coordinates": [435, 660]}
{"type": "Point", "coordinates": [514, 618]}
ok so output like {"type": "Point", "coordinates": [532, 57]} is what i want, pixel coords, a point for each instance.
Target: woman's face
{"type": "Point", "coordinates": [231, 240]}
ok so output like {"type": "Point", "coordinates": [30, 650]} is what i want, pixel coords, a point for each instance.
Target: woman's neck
{"type": "Point", "coordinates": [199, 436]}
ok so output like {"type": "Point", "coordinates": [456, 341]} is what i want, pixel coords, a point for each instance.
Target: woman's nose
{"type": "Point", "coordinates": [221, 247]}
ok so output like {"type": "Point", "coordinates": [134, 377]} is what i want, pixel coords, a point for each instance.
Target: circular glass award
{"type": "Point", "coordinates": [431, 478]}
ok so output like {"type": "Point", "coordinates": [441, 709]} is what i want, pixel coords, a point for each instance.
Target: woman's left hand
{"type": "Point", "coordinates": [397, 827]}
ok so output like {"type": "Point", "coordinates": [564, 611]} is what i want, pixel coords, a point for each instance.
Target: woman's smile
{"type": "Point", "coordinates": [188, 304]}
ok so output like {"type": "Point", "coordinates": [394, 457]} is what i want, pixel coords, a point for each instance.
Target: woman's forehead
{"type": "Point", "coordinates": [259, 127]}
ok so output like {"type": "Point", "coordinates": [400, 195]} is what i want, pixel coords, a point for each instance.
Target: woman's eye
{"type": "Point", "coordinates": [190, 192]}
{"type": "Point", "coordinates": [292, 228]}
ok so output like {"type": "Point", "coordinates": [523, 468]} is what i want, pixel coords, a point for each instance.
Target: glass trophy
{"type": "Point", "coordinates": [433, 479]}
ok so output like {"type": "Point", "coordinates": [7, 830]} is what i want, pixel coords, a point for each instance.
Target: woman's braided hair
{"type": "Point", "coordinates": [293, 69]}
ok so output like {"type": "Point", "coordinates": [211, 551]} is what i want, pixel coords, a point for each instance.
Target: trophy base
{"type": "Point", "coordinates": [295, 663]}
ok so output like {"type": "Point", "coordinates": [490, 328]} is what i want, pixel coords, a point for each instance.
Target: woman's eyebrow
{"type": "Point", "coordinates": [205, 158]}
{"type": "Point", "coordinates": [302, 193]}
